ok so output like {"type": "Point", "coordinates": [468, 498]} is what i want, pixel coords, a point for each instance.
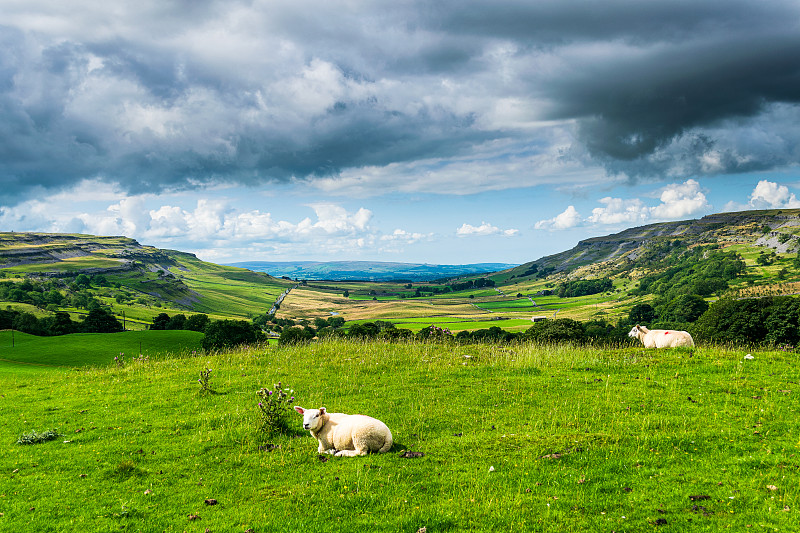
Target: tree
{"type": "Point", "coordinates": [747, 321]}
{"type": "Point", "coordinates": [222, 334]}
{"type": "Point", "coordinates": [642, 314]}
{"type": "Point", "coordinates": [684, 308]}
{"type": "Point", "coordinates": [59, 324]}
{"type": "Point", "coordinates": [557, 330]}
{"type": "Point", "coordinates": [346, 293]}
{"type": "Point", "coordinates": [366, 330]}
{"type": "Point", "coordinates": [100, 321]}
{"type": "Point", "coordinates": [766, 259]}
{"type": "Point", "coordinates": [160, 321]}
{"type": "Point", "coordinates": [177, 322]}
{"type": "Point", "coordinates": [54, 297]}
{"type": "Point", "coordinates": [27, 323]}
{"type": "Point", "coordinates": [83, 281]}
{"type": "Point", "coordinates": [294, 335]}
{"type": "Point", "coordinates": [196, 322]}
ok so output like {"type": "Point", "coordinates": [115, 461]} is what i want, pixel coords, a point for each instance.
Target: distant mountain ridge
{"type": "Point", "coordinates": [367, 270]}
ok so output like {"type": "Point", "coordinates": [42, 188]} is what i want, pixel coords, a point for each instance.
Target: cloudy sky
{"type": "Point", "coordinates": [441, 132]}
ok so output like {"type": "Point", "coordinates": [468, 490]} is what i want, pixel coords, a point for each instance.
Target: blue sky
{"type": "Point", "coordinates": [446, 132]}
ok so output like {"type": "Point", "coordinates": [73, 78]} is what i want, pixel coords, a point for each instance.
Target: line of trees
{"type": "Point", "coordinates": [584, 287]}
{"type": "Point", "coordinates": [163, 321]}
{"type": "Point", "coordinates": [97, 320]}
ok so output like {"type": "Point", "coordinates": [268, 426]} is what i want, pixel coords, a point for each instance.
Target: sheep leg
{"type": "Point", "coordinates": [351, 453]}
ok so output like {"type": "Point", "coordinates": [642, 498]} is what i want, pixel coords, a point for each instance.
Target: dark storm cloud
{"type": "Point", "coordinates": [696, 64]}
{"type": "Point", "coordinates": [177, 95]}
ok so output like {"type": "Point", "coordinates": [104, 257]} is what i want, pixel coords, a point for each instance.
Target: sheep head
{"type": "Point", "coordinates": [313, 419]}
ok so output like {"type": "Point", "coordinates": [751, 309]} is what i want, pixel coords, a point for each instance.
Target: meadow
{"type": "Point", "coordinates": [91, 349]}
{"type": "Point", "coordinates": [510, 438]}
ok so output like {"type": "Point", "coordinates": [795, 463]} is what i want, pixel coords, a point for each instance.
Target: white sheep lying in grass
{"type": "Point", "coordinates": [341, 434]}
{"type": "Point", "coordinates": [661, 338]}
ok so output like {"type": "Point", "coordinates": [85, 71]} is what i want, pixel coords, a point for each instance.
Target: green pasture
{"type": "Point", "coordinates": [511, 324]}
{"type": "Point", "coordinates": [455, 325]}
{"type": "Point", "coordinates": [236, 294]}
{"type": "Point", "coordinates": [82, 349]}
{"type": "Point", "coordinates": [506, 438]}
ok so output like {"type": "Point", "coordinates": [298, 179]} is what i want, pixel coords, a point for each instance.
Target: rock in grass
{"type": "Point", "coordinates": [411, 455]}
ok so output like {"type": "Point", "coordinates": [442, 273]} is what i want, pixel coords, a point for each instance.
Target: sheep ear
{"type": "Point", "coordinates": [322, 410]}
{"type": "Point", "coordinates": [299, 409]}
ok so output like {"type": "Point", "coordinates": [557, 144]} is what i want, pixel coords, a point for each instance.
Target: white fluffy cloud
{"type": "Point", "coordinates": [678, 200]}
{"type": "Point", "coordinates": [484, 229]}
{"type": "Point", "coordinates": [619, 211]}
{"type": "Point", "coordinates": [214, 220]}
{"type": "Point", "coordinates": [568, 219]}
{"type": "Point", "coordinates": [770, 195]}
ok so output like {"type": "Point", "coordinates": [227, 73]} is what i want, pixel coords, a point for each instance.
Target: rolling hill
{"type": "Point", "coordinates": [137, 280]}
{"type": "Point", "coordinates": [140, 282]}
{"type": "Point", "coordinates": [630, 249]}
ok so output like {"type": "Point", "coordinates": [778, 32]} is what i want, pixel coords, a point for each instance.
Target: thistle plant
{"type": "Point", "coordinates": [120, 360]}
{"type": "Point", "coordinates": [37, 438]}
{"type": "Point", "coordinates": [275, 407]}
{"type": "Point", "coordinates": [205, 382]}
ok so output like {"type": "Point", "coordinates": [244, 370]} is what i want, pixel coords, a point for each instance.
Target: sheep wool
{"type": "Point", "coordinates": [661, 338]}
{"type": "Point", "coordinates": [346, 435]}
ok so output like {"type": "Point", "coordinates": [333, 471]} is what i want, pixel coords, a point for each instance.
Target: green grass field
{"type": "Point", "coordinates": [514, 438]}
{"type": "Point", "coordinates": [80, 349]}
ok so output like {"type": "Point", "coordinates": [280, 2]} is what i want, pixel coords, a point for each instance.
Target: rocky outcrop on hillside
{"type": "Point", "coordinates": [43, 248]}
{"type": "Point", "coordinates": [773, 229]}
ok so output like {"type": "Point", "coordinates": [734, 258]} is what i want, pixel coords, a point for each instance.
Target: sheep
{"type": "Point", "coordinates": [661, 338]}
{"type": "Point", "coordinates": [346, 435]}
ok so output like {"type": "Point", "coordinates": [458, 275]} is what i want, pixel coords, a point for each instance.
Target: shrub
{"type": "Point", "coordinates": [557, 330]}
{"type": "Point", "coordinates": [366, 330]}
{"type": "Point", "coordinates": [434, 332]}
{"type": "Point", "coordinates": [222, 334]}
{"type": "Point", "coordinates": [294, 335]}
{"type": "Point", "coordinates": [394, 334]}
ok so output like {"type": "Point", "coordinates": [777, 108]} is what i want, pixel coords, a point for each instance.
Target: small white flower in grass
{"type": "Point", "coordinates": [748, 356]}
{"type": "Point", "coordinates": [491, 469]}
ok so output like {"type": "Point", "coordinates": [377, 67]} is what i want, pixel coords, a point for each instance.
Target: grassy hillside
{"type": "Point", "coordinates": [528, 438]}
{"type": "Point", "coordinates": [776, 229]}
{"type": "Point", "coordinates": [82, 349]}
{"type": "Point", "coordinates": [139, 281]}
